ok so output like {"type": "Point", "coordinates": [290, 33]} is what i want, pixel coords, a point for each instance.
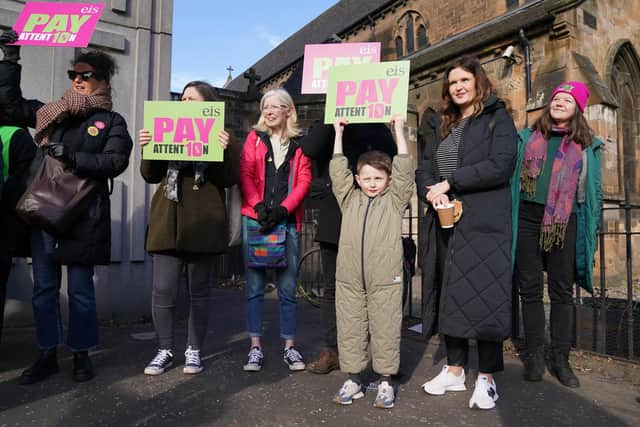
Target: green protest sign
{"type": "Point", "coordinates": [367, 93]}
{"type": "Point", "coordinates": [183, 130]}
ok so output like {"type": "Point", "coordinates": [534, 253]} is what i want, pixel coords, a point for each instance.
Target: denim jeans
{"type": "Point", "coordinates": [286, 279]}
{"type": "Point", "coordinates": [47, 275]}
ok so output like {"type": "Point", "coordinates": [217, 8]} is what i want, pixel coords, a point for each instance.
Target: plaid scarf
{"type": "Point", "coordinates": [72, 104]}
{"type": "Point", "coordinates": [565, 173]}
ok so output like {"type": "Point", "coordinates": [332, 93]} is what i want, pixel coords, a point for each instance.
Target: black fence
{"type": "Point", "coordinates": [605, 324]}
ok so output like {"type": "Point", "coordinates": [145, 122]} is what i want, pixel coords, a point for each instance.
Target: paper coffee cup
{"type": "Point", "coordinates": [446, 215]}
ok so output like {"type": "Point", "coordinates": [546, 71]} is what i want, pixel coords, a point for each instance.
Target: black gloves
{"type": "Point", "coordinates": [11, 52]}
{"type": "Point", "coordinates": [262, 211]}
{"type": "Point", "coordinates": [59, 151]}
{"type": "Point", "coordinates": [275, 217]}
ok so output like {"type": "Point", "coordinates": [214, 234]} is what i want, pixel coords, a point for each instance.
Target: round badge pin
{"type": "Point", "coordinates": [99, 124]}
{"type": "Point", "coordinates": [93, 131]}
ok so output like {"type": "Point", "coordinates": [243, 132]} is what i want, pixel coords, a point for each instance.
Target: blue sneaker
{"type": "Point", "coordinates": [349, 392]}
{"type": "Point", "coordinates": [254, 362]}
{"type": "Point", "coordinates": [385, 397]}
{"type": "Point", "coordinates": [293, 359]}
{"type": "Point", "coordinates": [160, 363]}
{"type": "Point", "coordinates": [192, 362]}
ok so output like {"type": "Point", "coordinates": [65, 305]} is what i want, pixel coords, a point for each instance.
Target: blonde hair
{"type": "Point", "coordinates": [291, 128]}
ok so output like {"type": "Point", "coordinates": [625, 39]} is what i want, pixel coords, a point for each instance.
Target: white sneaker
{"type": "Point", "coordinates": [485, 394]}
{"type": "Point", "coordinates": [192, 362]}
{"type": "Point", "coordinates": [349, 392]}
{"type": "Point", "coordinates": [445, 382]}
{"type": "Point", "coordinates": [385, 396]}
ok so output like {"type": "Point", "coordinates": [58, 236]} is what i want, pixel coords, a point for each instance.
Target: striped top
{"type": "Point", "coordinates": [447, 153]}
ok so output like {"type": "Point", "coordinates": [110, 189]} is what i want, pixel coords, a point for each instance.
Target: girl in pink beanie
{"type": "Point", "coordinates": [557, 201]}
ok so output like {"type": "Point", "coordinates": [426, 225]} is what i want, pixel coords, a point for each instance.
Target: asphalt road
{"type": "Point", "coordinates": [225, 395]}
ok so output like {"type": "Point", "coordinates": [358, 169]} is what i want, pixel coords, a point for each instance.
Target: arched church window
{"type": "Point", "coordinates": [423, 41]}
{"type": "Point", "coordinates": [410, 35]}
{"type": "Point", "coordinates": [399, 47]}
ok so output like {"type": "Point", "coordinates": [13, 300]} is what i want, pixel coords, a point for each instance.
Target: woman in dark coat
{"type": "Point", "coordinates": [187, 229]}
{"type": "Point", "coordinates": [469, 155]}
{"type": "Point", "coordinates": [83, 132]}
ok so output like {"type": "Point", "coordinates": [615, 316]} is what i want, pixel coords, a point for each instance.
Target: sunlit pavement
{"type": "Point", "coordinates": [225, 395]}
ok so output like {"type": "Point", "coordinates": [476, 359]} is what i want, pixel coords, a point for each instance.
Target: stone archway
{"type": "Point", "coordinates": [624, 81]}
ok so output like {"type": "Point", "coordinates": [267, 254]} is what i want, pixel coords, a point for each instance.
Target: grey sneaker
{"type": "Point", "coordinates": [254, 362]}
{"type": "Point", "coordinates": [293, 359]}
{"type": "Point", "coordinates": [385, 396]}
{"type": "Point", "coordinates": [162, 361]}
{"type": "Point", "coordinates": [349, 392]}
{"type": "Point", "coordinates": [192, 362]}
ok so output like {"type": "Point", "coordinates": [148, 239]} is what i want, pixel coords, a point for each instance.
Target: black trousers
{"type": "Point", "coordinates": [490, 357]}
{"type": "Point", "coordinates": [560, 266]}
{"type": "Point", "coordinates": [5, 269]}
{"type": "Point", "coordinates": [328, 254]}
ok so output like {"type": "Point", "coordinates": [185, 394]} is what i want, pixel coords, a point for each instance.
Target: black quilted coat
{"type": "Point", "coordinates": [472, 296]}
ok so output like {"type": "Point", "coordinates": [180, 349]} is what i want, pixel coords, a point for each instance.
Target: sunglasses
{"type": "Point", "coordinates": [84, 75]}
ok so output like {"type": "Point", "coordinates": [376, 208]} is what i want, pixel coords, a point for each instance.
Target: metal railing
{"type": "Point", "coordinates": [605, 324]}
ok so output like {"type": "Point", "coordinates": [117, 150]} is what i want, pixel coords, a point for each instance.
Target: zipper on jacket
{"type": "Point", "coordinates": [364, 227]}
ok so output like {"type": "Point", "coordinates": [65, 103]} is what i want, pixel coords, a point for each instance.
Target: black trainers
{"type": "Point", "coordinates": [562, 370]}
{"type": "Point", "coordinates": [82, 366]}
{"type": "Point", "coordinates": [534, 364]}
{"type": "Point", "coordinates": [254, 360]}
{"type": "Point", "coordinates": [293, 359]}
{"type": "Point", "coordinates": [46, 365]}
{"type": "Point", "coordinates": [162, 361]}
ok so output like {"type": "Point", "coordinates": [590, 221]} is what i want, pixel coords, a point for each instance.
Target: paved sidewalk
{"type": "Point", "coordinates": [225, 395]}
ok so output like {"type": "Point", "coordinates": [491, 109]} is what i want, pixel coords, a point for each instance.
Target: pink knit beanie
{"type": "Point", "coordinates": [578, 90]}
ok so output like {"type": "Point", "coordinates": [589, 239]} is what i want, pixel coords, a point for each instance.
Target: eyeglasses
{"type": "Point", "coordinates": [275, 108]}
{"type": "Point", "coordinates": [84, 75]}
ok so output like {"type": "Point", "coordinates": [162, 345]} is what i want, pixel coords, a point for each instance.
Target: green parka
{"type": "Point", "coordinates": [198, 222]}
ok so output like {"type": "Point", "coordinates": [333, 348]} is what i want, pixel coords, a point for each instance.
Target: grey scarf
{"type": "Point", "coordinates": [173, 175]}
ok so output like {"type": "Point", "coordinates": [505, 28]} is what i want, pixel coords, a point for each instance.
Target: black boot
{"type": "Point", "coordinates": [562, 370]}
{"type": "Point", "coordinates": [82, 367]}
{"type": "Point", "coordinates": [534, 364]}
{"type": "Point", "coordinates": [47, 364]}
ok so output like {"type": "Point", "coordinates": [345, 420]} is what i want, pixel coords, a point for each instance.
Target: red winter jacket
{"type": "Point", "coordinates": [252, 178]}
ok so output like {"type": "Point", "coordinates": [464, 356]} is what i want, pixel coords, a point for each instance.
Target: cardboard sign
{"type": "Point", "coordinates": [369, 93]}
{"type": "Point", "coordinates": [318, 58]}
{"type": "Point", "coordinates": [57, 24]}
{"type": "Point", "coordinates": [183, 130]}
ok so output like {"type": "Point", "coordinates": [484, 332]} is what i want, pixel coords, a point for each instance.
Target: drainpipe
{"type": "Point", "coordinates": [524, 42]}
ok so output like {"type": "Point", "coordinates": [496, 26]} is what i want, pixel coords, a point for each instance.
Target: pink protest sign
{"type": "Point", "coordinates": [318, 58]}
{"type": "Point", "coordinates": [57, 24]}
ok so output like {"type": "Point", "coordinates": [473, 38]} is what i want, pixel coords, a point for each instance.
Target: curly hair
{"type": "Point", "coordinates": [449, 111]}
{"type": "Point", "coordinates": [103, 64]}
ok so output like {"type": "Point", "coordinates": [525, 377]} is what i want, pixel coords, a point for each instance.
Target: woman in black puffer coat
{"type": "Point", "coordinates": [469, 155]}
{"type": "Point", "coordinates": [83, 132]}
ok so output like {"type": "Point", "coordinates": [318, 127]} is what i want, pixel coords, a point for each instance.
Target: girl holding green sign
{"type": "Point", "coordinates": [187, 229]}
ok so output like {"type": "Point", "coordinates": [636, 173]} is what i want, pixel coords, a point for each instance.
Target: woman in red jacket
{"type": "Point", "coordinates": [274, 177]}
